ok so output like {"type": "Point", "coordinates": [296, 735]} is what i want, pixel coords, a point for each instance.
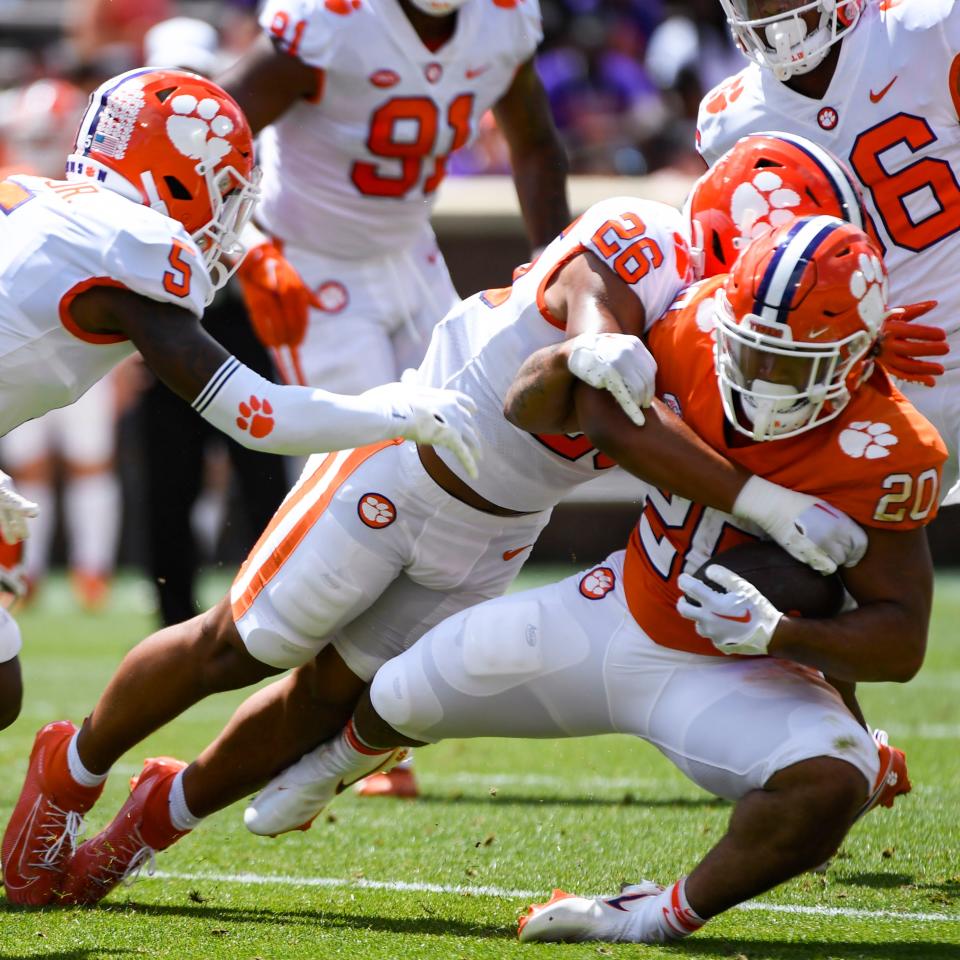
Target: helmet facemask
{"type": "Point", "coordinates": [783, 42]}
{"type": "Point", "coordinates": [773, 386]}
{"type": "Point", "coordinates": [232, 201]}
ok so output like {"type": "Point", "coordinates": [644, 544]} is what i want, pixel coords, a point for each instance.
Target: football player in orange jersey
{"type": "Point", "coordinates": [878, 84]}
{"type": "Point", "coordinates": [367, 518]}
{"type": "Point", "coordinates": [772, 366]}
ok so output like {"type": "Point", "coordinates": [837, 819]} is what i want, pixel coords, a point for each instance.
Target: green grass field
{"type": "Point", "coordinates": [499, 824]}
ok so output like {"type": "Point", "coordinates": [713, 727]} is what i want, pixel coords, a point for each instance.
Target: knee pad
{"type": "Point", "coordinates": [10, 641]}
{"type": "Point", "coordinates": [402, 696]}
{"type": "Point", "coordinates": [272, 647]}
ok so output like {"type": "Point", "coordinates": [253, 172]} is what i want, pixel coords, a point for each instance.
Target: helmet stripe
{"type": "Point", "coordinates": [787, 265]}
{"type": "Point", "coordinates": [840, 179]}
{"type": "Point", "coordinates": [98, 103]}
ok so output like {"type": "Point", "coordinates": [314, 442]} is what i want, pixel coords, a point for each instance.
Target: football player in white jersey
{"type": "Point", "coordinates": [879, 85]}
{"type": "Point", "coordinates": [373, 547]}
{"type": "Point", "coordinates": [360, 105]}
{"type": "Point", "coordinates": [124, 255]}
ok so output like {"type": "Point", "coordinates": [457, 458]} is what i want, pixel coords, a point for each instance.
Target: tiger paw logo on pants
{"type": "Point", "coordinates": [868, 440]}
{"type": "Point", "coordinates": [596, 584]}
{"type": "Point", "coordinates": [376, 511]}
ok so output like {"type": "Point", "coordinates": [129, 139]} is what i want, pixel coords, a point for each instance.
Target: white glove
{"type": "Point", "coordinates": [808, 528]}
{"type": "Point", "coordinates": [617, 362]}
{"type": "Point", "coordinates": [434, 416]}
{"type": "Point", "coordinates": [14, 511]}
{"type": "Point", "coordinates": [741, 620]}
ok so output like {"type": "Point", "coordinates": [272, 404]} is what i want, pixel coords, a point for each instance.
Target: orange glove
{"type": "Point", "coordinates": [902, 342]}
{"type": "Point", "coordinates": [277, 300]}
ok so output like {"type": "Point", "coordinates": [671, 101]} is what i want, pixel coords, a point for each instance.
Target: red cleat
{"type": "Point", "coordinates": [400, 782]}
{"type": "Point", "coordinates": [892, 781]}
{"type": "Point", "coordinates": [136, 833]}
{"type": "Point", "coordinates": [48, 816]}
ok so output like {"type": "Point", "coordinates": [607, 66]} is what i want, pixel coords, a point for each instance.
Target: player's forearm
{"type": "Point", "coordinates": [540, 177]}
{"type": "Point", "coordinates": [540, 400]}
{"type": "Point", "coordinates": [290, 420]}
{"type": "Point", "coordinates": [880, 642]}
{"type": "Point", "coordinates": [664, 451]}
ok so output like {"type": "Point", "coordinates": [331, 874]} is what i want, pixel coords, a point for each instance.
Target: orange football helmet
{"type": "Point", "coordinates": [782, 39]}
{"type": "Point", "coordinates": [179, 144]}
{"type": "Point", "coordinates": [762, 182]}
{"type": "Point", "coordinates": [796, 322]}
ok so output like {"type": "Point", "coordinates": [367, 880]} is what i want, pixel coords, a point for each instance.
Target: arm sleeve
{"type": "Point", "coordinates": [291, 420]}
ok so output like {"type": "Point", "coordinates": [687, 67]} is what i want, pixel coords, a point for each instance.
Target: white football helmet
{"type": "Point", "coordinates": [783, 40]}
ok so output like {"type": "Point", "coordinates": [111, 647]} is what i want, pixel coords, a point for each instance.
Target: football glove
{"type": "Point", "coordinates": [738, 619]}
{"type": "Point", "coordinates": [619, 363]}
{"type": "Point", "coordinates": [15, 510]}
{"type": "Point", "coordinates": [902, 342]}
{"type": "Point", "coordinates": [278, 302]}
{"type": "Point", "coordinates": [808, 528]}
{"type": "Point", "coordinates": [441, 418]}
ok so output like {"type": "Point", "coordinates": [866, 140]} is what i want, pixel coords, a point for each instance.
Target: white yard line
{"type": "Point", "coordinates": [402, 886]}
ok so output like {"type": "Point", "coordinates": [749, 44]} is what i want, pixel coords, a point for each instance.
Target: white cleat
{"type": "Point", "coordinates": [292, 800]}
{"type": "Point", "coordinates": [565, 917]}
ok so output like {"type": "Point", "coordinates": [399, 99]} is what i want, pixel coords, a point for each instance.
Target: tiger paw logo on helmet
{"type": "Point", "coordinates": [869, 285]}
{"type": "Point", "coordinates": [190, 126]}
{"type": "Point", "coordinates": [762, 204]}
{"type": "Point", "coordinates": [867, 440]}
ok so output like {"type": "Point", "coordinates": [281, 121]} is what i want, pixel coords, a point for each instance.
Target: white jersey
{"type": "Point", "coordinates": [58, 239]}
{"type": "Point", "coordinates": [354, 174]}
{"type": "Point", "coordinates": [480, 345]}
{"type": "Point", "coordinates": [891, 112]}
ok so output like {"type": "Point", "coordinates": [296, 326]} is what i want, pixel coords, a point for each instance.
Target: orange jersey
{"type": "Point", "coordinates": [879, 461]}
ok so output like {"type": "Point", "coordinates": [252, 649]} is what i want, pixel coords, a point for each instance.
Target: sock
{"type": "Point", "coordinates": [349, 756]}
{"type": "Point", "coordinates": [659, 918]}
{"type": "Point", "coordinates": [677, 918]}
{"type": "Point", "coordinates": [180, 815]}
{"type": "Point", "coordinates": [78, 771]}
{"type": "Point", "coordinates": [92, 509]}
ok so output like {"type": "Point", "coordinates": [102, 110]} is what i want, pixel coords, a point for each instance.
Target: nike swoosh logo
{"type": "Point", "coordinates": [510, 554]}
{"type": "Point", "coordinates": [473, 73]}
{"type": "Point", "coordinates": [743, 618]}
{"type": "Point", "coordinates": [877, 97]}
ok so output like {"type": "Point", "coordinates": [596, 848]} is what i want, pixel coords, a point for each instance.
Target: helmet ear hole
{"type": "Point", "coordinates": [162, 95]}
{"type": "Point", "coordinates": [177, 190]}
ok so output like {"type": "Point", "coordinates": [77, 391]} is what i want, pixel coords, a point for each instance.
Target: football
{"type": "Point", "coordinates": [791, 586]}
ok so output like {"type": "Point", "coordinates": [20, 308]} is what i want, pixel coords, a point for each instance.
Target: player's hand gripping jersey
{"type": "Point", "coordinates": [891, 113]}
{"type": "Point", "coordinates": [57, 239]}
{"type": "Point", "coordinates": [370, 152]}
{"type": "Point", "coordinates": [480, 345]}
{"type": "Point", "coordinates": [878, 461]}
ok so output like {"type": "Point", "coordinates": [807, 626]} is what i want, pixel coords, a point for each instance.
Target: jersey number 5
{"type": "Point", "coordinates": [177, 279]}
{"type": "Point", "coordinates": [404, 130]}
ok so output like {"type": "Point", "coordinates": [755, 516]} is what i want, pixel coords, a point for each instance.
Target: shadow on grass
{"type": "Point", "coordinates": [949, 889]}
{"type": "Point", "coordinates": [436, 924]}
{"type": "Point", "coordinates": [806, 949]}
{"type": "Point", "coordinates": [85, 954]}
{"type": "Point", "coordinates": [626, 800]}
